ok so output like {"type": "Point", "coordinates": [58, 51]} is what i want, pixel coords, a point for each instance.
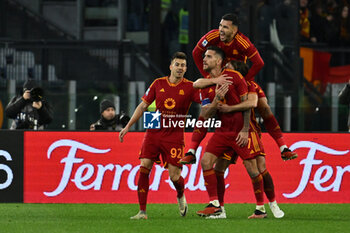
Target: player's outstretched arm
{"type": "Point", "coordinates": [251, 102]}
{"type": "Point", "coordinates": [257, 65]}
{"type": "Point", "coordinates": [242, 138]}
{"type": "Point", "coordinates": [140, 109]}
{"type": "Point", "coordinates": [206, 82]}
{"type": "Point", "coordinates": [197, 55]}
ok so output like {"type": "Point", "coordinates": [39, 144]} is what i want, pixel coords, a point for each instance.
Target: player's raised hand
{"type": "Point", "coordinates": [221, 91]}
{"type": "Point", "coordinates": [223, 79]}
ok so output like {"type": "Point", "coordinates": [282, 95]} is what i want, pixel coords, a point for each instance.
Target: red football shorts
{"type": "Point", "coordinates": [221, 143]}
{"type": "Point", "coordinates": [255, 145]}
{"type": "Point", "coordinates": [170, 152]}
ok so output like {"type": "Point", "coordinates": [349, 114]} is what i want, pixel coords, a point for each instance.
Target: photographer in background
{"type": "Point", "coordinates": [29, 110]}
{"type": "Point", "coordinates": [109, 120]}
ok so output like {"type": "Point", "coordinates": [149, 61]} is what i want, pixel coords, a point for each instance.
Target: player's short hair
{"type": "Point", "coordinates": [231, 17]}
{"type": "Point", "coordinates": [179, 55]}
{"type": "Point", "coordinates": [240, 66]}
{"type": "Point", "coordinates": [218, 51]}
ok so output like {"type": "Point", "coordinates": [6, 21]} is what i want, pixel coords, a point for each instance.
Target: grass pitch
{"type": "Point", "coordinates": [86, 218]}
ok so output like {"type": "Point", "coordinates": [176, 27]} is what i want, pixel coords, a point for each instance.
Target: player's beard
{"type": "Point", "coordinates": [207, 68]}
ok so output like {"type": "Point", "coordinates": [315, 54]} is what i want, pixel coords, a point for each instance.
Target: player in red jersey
{"type": "Point", "coordinates": [231, 136]}
{"type": "Point", "coordinates": [173, 95]}
{"type": "Point", "coordinates": [237, 47]}
{"type": "Point", "coordinates": [255, 145]}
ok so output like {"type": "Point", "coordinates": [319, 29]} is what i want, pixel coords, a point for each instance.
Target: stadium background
{"type": "Point", "coordinates": [81, 49]}
{"type": "Point", "coordinates": [84, 51]}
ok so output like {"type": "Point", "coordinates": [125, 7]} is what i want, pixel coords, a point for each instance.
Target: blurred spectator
{"type": "Point", "coordinates": [304, 22]}
{"type": "Point", "coordinates": [265, 14]}
{"type": "Point", "coordinates": [344, 98]}
{"type": "Point", "coordinates": [137, 14]}
{"type": "Point", "coordinates": [344, 26]}
{"type": "Point", "coordinates": [29, 110]}
{"type": "Point", "coordinates": [319, 23]}
{"type": "Point", "coordinates": [332, 9]}
{"type": "Point", "coordinates": [109, 120]}
{"type": "Point", "coordinates": [285, 19]}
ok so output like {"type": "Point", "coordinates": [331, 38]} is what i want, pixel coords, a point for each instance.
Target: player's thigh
{"type": "Point", "coordinates": [251, 167]}
{"type": "Point", "coordinates": [150, 149]}
{"type": "Point", "coordinates": [221, 164]}
{"type": "Point", "coordinates": [208, 160]}
{"type": "Point", "coordinates": [147, 163]}
{"type": "Point", "coordinates": [261, 163]}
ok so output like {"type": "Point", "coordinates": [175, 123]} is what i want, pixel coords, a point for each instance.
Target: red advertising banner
{"type": "Point", "coordinates": [94, 167]}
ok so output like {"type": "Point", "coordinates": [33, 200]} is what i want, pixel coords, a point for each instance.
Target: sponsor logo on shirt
{"type": "Point", "coordinates": [169, 103]}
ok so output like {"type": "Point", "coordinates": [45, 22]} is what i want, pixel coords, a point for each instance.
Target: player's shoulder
{"type": "Point", "coordinates": [213, 33]}
{"type": "Point", "coordinates": [159, 81]}
{"type": "Point", "coordinates": [185, 80]}
{"type": "Point", "coordinates": [232, 73]}
{"type": "Point", "coordinates": [187, 83]}
{"type": "Point", "coordinates": [211, 37]}
{"type": "Point", "coordinates": [251, 85]}
{"type": "Point", "coordinates": [242, 40]}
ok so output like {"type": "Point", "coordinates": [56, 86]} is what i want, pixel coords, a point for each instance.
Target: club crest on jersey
{"type": "Point", "coordinates": [169, 103]}
{"type": "Point", "coordinates": [204, 43]}
{"type": "Point", "coordinates": [181, 92]}
{"type": "Point", "coordinates": [162, 90]}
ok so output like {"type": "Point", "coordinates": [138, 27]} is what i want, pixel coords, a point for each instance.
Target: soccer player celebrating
{"type": "Point", "coordinates": [231, 136]}
{"type": "Point", "coordinates": [255, 145]}
{"type": "Point", "coordinates": [173, 96]}
{"type": "Point", "coordinates": [236, 47]}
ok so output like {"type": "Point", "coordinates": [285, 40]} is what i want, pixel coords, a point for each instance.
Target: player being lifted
{"type": "Point", "coordinates": [236, 47]}
{"type": "Point", "coordinates": [173, 96]}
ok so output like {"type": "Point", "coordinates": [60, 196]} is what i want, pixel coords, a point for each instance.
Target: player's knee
{"type": "Point", "coordinates": [261, 163]}
{"type": "Point", "coordinates": [221, 165]}
{"type": "Point", "coordinates": [174, 177]}
{"type": "Point", "coordinates": [262, 168]}
{"type": "Point", "coordinates": [147, 163]}
{"type": "Point", "coordinates": [206, 164]}
{"type": "Point", "coordinates": [251, 169]}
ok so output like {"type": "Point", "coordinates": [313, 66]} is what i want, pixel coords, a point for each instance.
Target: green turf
{"type": "Point", "coordinates": [165, 218]}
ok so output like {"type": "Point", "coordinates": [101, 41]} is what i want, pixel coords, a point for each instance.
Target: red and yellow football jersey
{"type": "Point", "coordinates": [254, 125]}
{"type": "Point", "coordinates": [240, 48]}
{"type": "Point", "coordinates": [230, 122]}
{"type": "Point", "coordinates": [173, 102]}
